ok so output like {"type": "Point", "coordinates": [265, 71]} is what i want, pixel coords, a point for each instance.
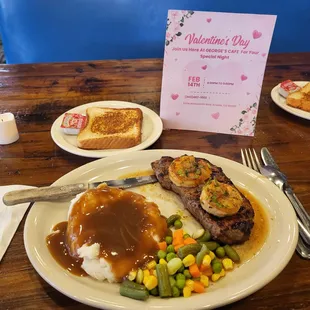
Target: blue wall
{"type": "Point", "coordinates": [70, 30]}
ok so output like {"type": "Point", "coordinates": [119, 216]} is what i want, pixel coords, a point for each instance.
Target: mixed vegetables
{"type": "Point", "coordinates": [184, 265]}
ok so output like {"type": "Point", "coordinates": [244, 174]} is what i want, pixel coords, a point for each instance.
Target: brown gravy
{"type": "Point", "coordinates": [259, 233]}
{"type": "Point", "coordinates": [123, 223]}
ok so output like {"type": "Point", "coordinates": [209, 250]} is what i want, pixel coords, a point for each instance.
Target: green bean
{"type": "Point", "coordinates": [169, 232]}
{"type": "Point", "coordinates": [163, 280]}
{"type": "Point", "coordinates": [132, 292]}
{"type": "Point", "coordinates": [154, 291]}
{"type": "Point", "coordinates": [201, 254]}
{"type": "Point", "coordinates": [172, 218]}
{"type": "Point", "coordinates": [161, 254]}
{"type": "Point", "coordinates": [170, 256]}
{"type": "Point", "coordinates": [187, 274]}
{"type": "Point", "coordinates": [189, 249]}
{"type": "Point", "coordinates": [178, 224]}
{"type": "Point", "coordinates": [168, 240]}
{"type": "Point", "coordinates": [205, 237]}
{"type": "Point", "coordinates": [211, 245]}
{"type": "Point", "coordinates": [180, 283]}
{"type": "Point", "coordinates": [232, 254]}
{"type": "Point", "coordinates": [175, 291]}
{"type": "Point", "coordinates": [220, 252]}
{"type": "Point", "coordinates": [133, 285]}
{"type": "Point", "coordinates": [217, 267]}
{"type": "Point", "coordinates": [170, 248]}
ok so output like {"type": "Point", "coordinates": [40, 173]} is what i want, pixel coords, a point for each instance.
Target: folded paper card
{"type": "Point", "coordinates": [213, 70]}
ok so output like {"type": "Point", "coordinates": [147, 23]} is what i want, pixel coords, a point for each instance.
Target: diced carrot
{"type": "Point", "coordinates": [162, 245]}
{"type": "Point", "coordinates": [178, 237]}
{"type": "Point", "coordinates": [194, 271]}
{"type": "Point", "coordinates": [206, 270]}
{"type": "Point", "coordinates": [176, 247]}
{"type": "Point", "coordinates": [198, 287]}
{"type": "Point", "coordinates": [189, 241]}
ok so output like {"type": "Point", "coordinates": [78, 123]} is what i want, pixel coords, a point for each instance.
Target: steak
{"type": "Point", "coordinates": [230, 229]}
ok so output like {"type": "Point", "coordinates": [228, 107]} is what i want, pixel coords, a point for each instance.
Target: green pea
{"type": "Point", "coordinates": [175, 291]}
{"type": "Point", "coordinates": [180, 276]}
{"type": "Point", "coordinates": [187, 274]}
{"type": "Point", "coordinates": [181, 269]}
{"type": "Point", "coordinates": [220, 252]}
{"type": "Point", "coordinates": [154, 291]}
{"type": "Point", "coordinates": [180, 283]}
{"type": "Point", "coordinates": [186, 236]}
{"type": "Point", "coordinates": [170, 248]}
{"type": "Point", "coordinates": [217, 267]}
{"type": "Point", "coordinates": [178, 224]}
{"type": "Point", "coordinates": [161, 254]}
{"type": "Point", "coordinates": [168, 239]}
{"type": "Point", "coordinates": [170, 256]}
{"type": "Point", "coordinates": [172, 281]}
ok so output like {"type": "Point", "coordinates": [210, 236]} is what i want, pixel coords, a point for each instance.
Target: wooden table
{"type": "Point", "coordinates": [38, 94]}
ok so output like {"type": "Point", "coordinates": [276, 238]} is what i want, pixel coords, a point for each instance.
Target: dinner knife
{"type": "Point", "coordinates": [299, 208]}
{"type": "Point", "coordinates": [52, 193]}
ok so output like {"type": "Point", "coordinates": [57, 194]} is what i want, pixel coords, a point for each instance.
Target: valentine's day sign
{"type": "Point", "coordinates": [213, 70]}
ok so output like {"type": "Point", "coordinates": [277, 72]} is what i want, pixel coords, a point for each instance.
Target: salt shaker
{"type": "Point", "coordinates": [8, 129]}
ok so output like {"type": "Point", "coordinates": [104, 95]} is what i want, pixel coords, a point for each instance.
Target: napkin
{"type": "Point", "coordinates": [10, 217]}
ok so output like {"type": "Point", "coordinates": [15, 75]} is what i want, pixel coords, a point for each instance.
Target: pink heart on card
{"type": "Point", "coordinates": [256, 34]}
{"type": "Point", "coordinates": [209, 20]}
{"type": "Point", "coordinates": [174, 96]}
{"type": "Point", "coordinates": [243, 77]}
{"type": "Point", "coordinates": [215, 115]}
{"type": "Point", "coordinates": [177, 113]}
{"type": "Point", "coordinates": [248, 93]}
{"type": "Point", "coordinates": [204, 67]}
{"type": "Point", "coordinates": [264, 54]}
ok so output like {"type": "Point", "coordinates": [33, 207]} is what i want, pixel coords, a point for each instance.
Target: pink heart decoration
{"type": "Point", "coordinates": [264, 54]}
{"type": "Point", "coordinates": [248, 93]}
{"type": "Point", "coordinates": [204, 67]}
{"type": "Point", "coordinates": [177, 113]}
{"type": "Point", "coordinates": [256, 34]}
{"type": "Point", "coordinates": [174, 96]}
{"type": "Point", "coordinates": [243, 77]}
{"type": "Point", "coordinates": [209, 20]}
{"type": "Point", "coordinates": [215, 115]}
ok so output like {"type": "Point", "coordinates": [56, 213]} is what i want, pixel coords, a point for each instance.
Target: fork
{"type": "Point", "coordinates": [250, 159]}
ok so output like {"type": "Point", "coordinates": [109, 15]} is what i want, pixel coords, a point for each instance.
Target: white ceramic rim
{"type": "Point", "coordinates": [281, 101]}
{"type": "Point", "coordinates": [58, 135]}
{"type": "Point", "coordinates": [269, 269]}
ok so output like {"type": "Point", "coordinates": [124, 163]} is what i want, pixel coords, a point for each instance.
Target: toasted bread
{"type": "Point", "coordinates": [109, 128]}
{"type": "Point", "coordinates": [300, 99]}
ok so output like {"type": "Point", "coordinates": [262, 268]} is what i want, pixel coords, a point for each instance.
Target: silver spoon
{"type": "Point", "coordinates": [280, 179]}
{"type": "Point", "coordinates": [302, 249]}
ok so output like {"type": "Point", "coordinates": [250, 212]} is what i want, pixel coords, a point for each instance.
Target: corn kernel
{"type": "Point", "coordinates": [190, 284]}
{"type": "Point", "coordinates": [206, 260]}
{"type": "Point", "coordinates": [222, 273]}
{"type": "Point", "coordinates": [204, 280]}
{"type": "Point", "coordinates": [151, 282]}
{"type": "Point", "coordinates": [162, 261]}
{"type": "Point", "coordinates": [146, 273]}
{"type": "Point", "coordinates": [228, 264]}
{"type": "Point", "coordinates": [132, 275]}
{"type": "Point", "coordinates": [215, 277]}
{"type": "Point", "coordinates": [189, 260]}
{"type": "Point", "coordinates": [212, 255]}
{"type": "Point", "coordinates": [151, 265]}
{"type": "Point", "coordinates": [145, 279]}
{"type": "Point", "coordinates": [187, 292]}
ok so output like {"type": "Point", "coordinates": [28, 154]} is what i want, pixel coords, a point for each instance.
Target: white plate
{"type": "Point", "coordinates": [281, 101]}
{"type": "Point", "coordinates": [243, 281]}
{"type": "Point", "coordinates": [152, 128]}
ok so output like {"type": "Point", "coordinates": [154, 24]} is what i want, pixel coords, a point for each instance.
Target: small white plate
{"type": "Point", "coordinates": [152, 128]}
{"type": "Point", "coordinates": [281, 101]}
{"type": "Point", "coordinates": [243, 281]}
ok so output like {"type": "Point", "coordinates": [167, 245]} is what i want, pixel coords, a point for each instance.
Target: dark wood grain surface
{"type": "Point", "coordinates": [38, 94]}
